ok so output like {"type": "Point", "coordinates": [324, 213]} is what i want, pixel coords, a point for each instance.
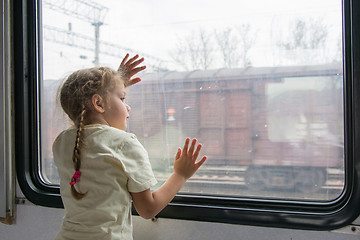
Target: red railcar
{"type": "Point", "coordinates": [284, 124]}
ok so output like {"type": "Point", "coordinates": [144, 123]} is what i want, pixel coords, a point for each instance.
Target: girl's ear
{"type": "Point", "coordinates": [97, 102]}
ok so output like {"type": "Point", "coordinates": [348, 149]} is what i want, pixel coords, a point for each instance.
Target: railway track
{"type": "Point", "coordinates": [232, 181]}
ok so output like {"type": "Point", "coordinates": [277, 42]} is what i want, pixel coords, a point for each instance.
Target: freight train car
{"type": "Point", "coordinates": [251, 123]}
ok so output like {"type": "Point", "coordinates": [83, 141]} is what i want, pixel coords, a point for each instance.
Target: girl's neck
{"type": "Point", "coordinates": [98, 120]}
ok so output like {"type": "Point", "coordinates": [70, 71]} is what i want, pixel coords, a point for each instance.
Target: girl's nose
{"type": "Point", "coordinates": [128, 108]}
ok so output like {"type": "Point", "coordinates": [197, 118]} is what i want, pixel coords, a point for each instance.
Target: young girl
{"type": "Point", "coordinates": [102, 167]}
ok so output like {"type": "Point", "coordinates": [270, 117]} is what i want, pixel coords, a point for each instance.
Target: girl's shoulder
{"type": "Point", "coordinates": [108, 131]}
{"type": "Point", "coordinates": [65, 135]}
{"type": "Point", "coordinates": [106, 134]}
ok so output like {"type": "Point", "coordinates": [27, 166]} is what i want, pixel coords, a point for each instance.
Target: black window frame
{"type": "Point", "coordinates": [257, 212]}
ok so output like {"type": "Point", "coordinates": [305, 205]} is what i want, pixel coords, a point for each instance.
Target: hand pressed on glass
{"type": "Point", "coordinates": [185, 161]}
{"type": "Point", "coordinates": [129, 69]}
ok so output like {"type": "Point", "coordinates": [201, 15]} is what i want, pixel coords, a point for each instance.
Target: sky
{"type": "Point", "coordinates": [156, 27]}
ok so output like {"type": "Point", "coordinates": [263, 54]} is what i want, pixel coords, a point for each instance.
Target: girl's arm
{"type": "Point", "coordinates": [148, 203]}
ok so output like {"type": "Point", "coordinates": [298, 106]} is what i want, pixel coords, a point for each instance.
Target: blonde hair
{"type": "Point", "coordinates": [75, 99]}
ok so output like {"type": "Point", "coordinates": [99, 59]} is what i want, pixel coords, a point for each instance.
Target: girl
{"type": "Point", "coordinates": [108, 167]}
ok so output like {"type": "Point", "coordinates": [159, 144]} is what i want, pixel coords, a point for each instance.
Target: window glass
{"type": "Point", "coordinates": [259, 84]}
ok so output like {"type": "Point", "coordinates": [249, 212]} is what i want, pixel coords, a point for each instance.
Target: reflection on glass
{"type": "Point", "coordinates": [260, 88]}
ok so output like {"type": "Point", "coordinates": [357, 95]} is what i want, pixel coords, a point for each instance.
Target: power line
{"type": "Point", "coordinates": [88, 11]}
{"type": "Point", "coordinates": [93, 13]}
{"type": "Point", "coordinates": [85, 42]}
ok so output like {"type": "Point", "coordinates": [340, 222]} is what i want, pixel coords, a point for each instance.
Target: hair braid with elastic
{"type": "Point", "coordinates": [76, 154]}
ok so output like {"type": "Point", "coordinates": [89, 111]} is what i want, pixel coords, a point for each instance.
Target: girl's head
{"type": "Point", "coordinates": [94, 95]}
{"type": "Point", "coordinates": [87, 89]}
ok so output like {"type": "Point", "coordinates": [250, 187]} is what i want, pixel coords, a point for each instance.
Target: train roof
{"type": "Point", "coordinates": [246, 73]}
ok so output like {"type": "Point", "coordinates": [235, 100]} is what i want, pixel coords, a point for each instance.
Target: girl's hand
{"type": "Point", "coordinates": [129, 68]}
{"type": "Point", "coordinates": [185, 161]}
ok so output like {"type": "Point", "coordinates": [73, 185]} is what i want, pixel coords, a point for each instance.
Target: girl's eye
{"type": "Point", "coordinates": [122, 99]}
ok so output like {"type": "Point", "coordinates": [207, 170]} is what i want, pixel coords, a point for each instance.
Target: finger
{"type": "Point", "coordinates": [186, 146]}
{"type": "Point", "coordinates": [134, 64]}
{"type": "Point", "coordinates": [131, 60]}
{"type": "Point", "coordinates": [201, 162]}
{"type": "Point", "coordinates": [132, 82]}
{"type": "Point", "coordinates": [197, 151]}
{"type": "Point", "coordinates": [124, 60]}
{"type": "Point", "coordinates": [192, 147]}
{"type": "Point", "coordinates": [178, 154]}
{"type": "Point", "coordinates": [136, 70]}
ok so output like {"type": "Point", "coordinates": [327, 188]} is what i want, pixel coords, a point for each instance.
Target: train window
{"type": "Point", "coordinates": [260, 85]}
{"type": "Point", "coordinates": [271, 123]}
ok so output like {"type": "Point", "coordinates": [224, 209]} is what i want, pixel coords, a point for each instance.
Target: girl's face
{"type": "Point", "coordinates": [116, 109]}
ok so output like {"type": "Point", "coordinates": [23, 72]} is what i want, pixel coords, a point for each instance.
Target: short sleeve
{"type": "Point", "coordinates": [136, 165]}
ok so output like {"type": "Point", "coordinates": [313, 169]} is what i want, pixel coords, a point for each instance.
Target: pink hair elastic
{"type": "Point", "coordinates": [75, 178]}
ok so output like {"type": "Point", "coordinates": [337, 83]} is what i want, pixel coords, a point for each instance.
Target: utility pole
{"type": "Point", "coordinates": [97, 39]}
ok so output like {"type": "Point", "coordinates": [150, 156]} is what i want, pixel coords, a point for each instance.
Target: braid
{"type": "Point", "coordinates": [76, 154]}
